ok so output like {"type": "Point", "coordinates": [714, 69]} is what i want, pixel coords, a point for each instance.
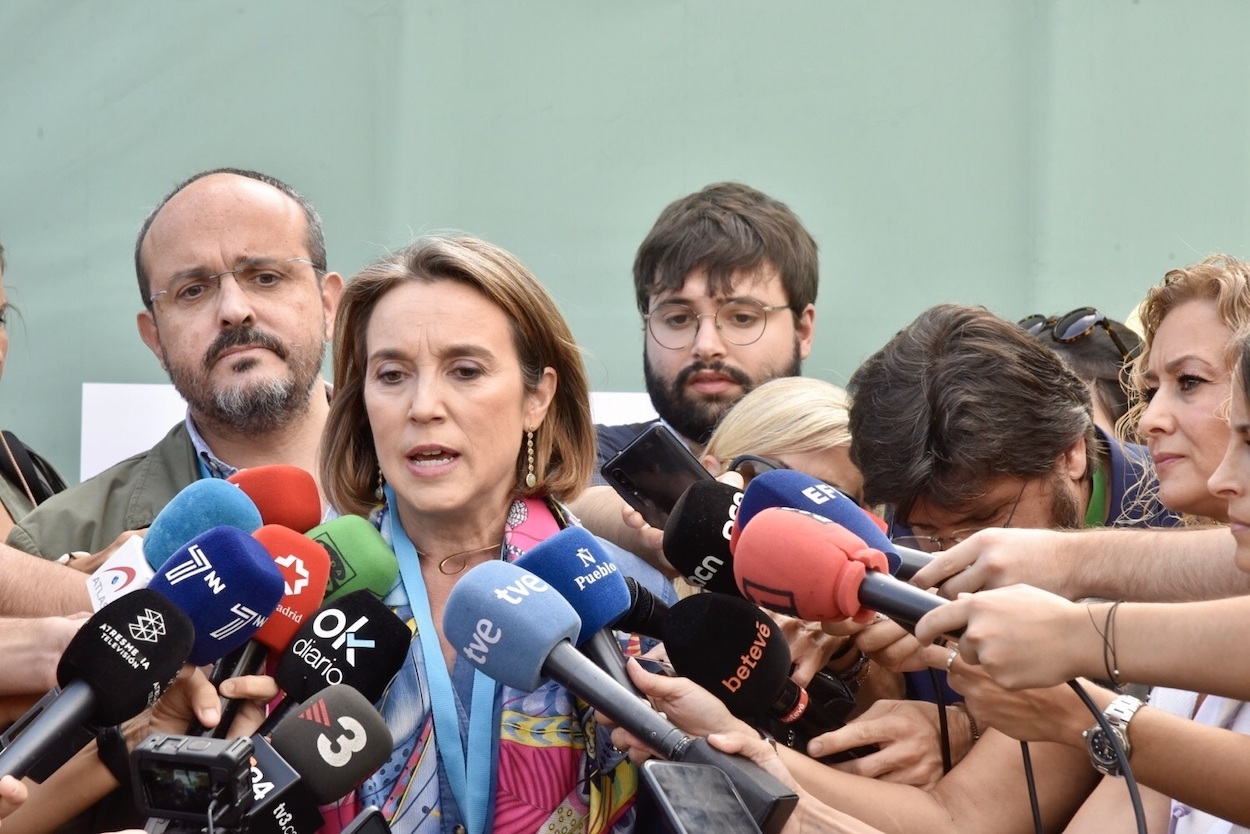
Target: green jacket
{"type": "Point", "coordinates": [126, 496]}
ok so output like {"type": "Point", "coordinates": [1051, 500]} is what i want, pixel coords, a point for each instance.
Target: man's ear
{"type": "Point", "coordinates": [331, 294]}
{"type": "Point", "coordinates": [150, 335]}
{"type": "Point", "coordinates": [1076, 460]}
{"type": "Point", "coordinates": [805, 330]}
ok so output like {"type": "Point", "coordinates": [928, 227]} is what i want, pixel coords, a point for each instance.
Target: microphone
{"type": "Point", "coordinates": [227, 582]}
{"type": "Point", "coordinates": [285, 495]}
{"type": "Point", "coordinates": [305, 567]}
{"type": "Point", "coordinates": [116, 666]}
{"type": "Point", "coordinates": [202, 505]}
{"type": "Point", "coordinates": [516, 629]}
{"type": "Point", "coordinates": [576, 566]}
{"type": "Point", "coordinates": [735, 651]}
{"type": "Point", "coordinates": [697, 535]}
{"type": "Point", "coordinates": [355, 640]}
{"type": "Point", "coordinates": [646, 612]}
{"type": "Point", "coordinates": [799, 491]}
{"type": "Point", "coordinates": [828, 573]}
{"type": "Point", "coordinates": [320, 752]}
{"type": "Point", "coordinates": [359, 557]}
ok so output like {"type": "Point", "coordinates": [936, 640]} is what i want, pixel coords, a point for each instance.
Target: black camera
{"type": "Point", "coordinates": [193, 779]}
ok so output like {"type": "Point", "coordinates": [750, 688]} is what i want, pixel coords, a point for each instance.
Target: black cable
{"type": "Point", "coordinates": [943, 726]}
{"type": "Point", "coordinates": [1121, 758]}
{"type": "Point", "coordinates": [1034, 805]}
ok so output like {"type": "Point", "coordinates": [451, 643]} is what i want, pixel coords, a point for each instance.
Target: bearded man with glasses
{"type": "Point", "coordinates": [238, 308]}
{"type": "Point", "coordinates": [726, 287]}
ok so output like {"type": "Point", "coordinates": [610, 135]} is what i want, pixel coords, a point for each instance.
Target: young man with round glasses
{"type": "Point", "coordinates": [238, 309]}
{"type": "Point", "coordinates": [726, 286]}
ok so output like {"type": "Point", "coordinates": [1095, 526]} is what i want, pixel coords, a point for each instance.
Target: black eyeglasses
{"type": "Point", "coordinates": [1074, 326]}
{"type": "Point", "coordinates": [748, 466]}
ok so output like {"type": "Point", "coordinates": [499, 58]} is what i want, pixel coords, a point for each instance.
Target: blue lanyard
{"type": "Point", "coordinates": [471, 784]}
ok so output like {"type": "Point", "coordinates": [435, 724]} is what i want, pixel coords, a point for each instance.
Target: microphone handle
{"type": "Point", "coordinates": [603, 650]}
{"type": "Point", "coordinates": [646, 612]}
{"type": "Point", "coordinates": [910, 562]}
{"type": "Point", "coordinates": [904, 604]}
{"type": "Point", "coordinates": [249, 662]}
{"type": "Point", "coordinates": [62, 717]}
{"type": "Point", "coordinates": [277, 714]}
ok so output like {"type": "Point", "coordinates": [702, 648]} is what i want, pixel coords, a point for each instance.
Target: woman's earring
{"type": "Point", "coordinates": [530, 478]}
{"type": "Point", "coordinates": [378, 492]}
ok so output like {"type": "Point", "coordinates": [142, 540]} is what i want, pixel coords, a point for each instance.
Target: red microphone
{"type": "Point", "coordinates": [285, 495]}
{"type": "Point", "coordinates": [809, 567]}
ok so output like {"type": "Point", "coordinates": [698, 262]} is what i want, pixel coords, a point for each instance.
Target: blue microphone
{"type": "Point", "coordinates": [227, 583]}
{"type": "Point", "coordinates": [576, 566]}
{"type": "Point", "coordinates": [205, 504]}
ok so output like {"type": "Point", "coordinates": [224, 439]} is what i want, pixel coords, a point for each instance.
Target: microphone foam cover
{"type": "Point", "coordinates": [354, 640]}
{"type": "Point", "coordinates": [334, 740]}
{"type": "Point", "coordinates": [227, 583]}
{"type": "Point", "coordinates": [203, 505]}
{"type": "Point", "coordinates": [800, 491]}
{"type": "Point", "coordinates": [359, 557]}
{"type": "Point", "coordinates": [283, 494]}
{"type": "Point", "coordinates": [804, 565]}
{"type": "Point", "coordinates": [507, 621]}
{"type": "Point", "coordinates": [305, 568]}
{"type": "Point", "coordinates": [696, 535]}
{"type": "Point", "coordinates": [128, 652]}
{"type": "Point", "coordinates": [729, 647]}
{"type": "Point", "coordinates": [577, 567]}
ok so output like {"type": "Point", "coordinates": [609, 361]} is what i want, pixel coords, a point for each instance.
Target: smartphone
{"type": "Point", "coordinates": [652, 472]}
{"type": "Point", "coordinates": [369, 821]}
{"type": "Point", "coordinates": [686, 798]}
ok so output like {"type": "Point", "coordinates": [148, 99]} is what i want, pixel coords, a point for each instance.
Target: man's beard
{"type": "Point", "coordinates": [243, 408]}
{"type": "Point", "coordinates": [695, 418]}
{"type": "Point", "coordinates": [1064, 512]}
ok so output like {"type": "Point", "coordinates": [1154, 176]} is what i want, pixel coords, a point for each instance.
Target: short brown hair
{"type": "Point", "coordinates": [960, 396]}
{"type": "Point", "coordinates": [723, 229]}
{"type": "Point", "coordinates": [564, 445]}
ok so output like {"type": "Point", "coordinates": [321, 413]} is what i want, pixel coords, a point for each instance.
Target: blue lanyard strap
{"type": "Point", "coordinates": [470, 782]}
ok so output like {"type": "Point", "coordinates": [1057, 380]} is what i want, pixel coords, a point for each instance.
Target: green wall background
{"type": "Point", "coordinates": [1030, 156]}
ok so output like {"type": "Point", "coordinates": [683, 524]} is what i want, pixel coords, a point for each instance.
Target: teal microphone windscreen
{"type": "Point", "coordinates": [201, 506]}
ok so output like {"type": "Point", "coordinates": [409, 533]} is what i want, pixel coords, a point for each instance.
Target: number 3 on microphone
{"type": "Point", "coordinates": [339, 752]}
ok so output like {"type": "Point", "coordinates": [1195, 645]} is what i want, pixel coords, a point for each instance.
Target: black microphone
{"type": "Point", "coordinates": [354, 640]}
{"type": "Point", "coordinates": [320, 751]}
{"type": "Point", "coordinates": [646, 612]}
{"type": "Point", "coordinates": [697, 536]}
{"type": "Point", "coordinates": [516, 628]}
{"type": "Point", "coordinates": [117, 665]}
{"type": "Point", "coordinates": [738, 653]}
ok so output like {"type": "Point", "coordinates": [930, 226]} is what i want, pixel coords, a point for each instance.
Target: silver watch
{"type": "Point", "coordinates": [1101, 749]}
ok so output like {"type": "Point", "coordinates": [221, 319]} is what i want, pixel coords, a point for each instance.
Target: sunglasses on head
{"type": "Point", "coordinates": [748, 466]}
{"type": "Point", "coordinates": [1074, 326]}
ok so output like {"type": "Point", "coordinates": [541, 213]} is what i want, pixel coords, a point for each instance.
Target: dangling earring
{"type": "Point", "coordinates": [530, 478]}
{"type": "Point", "coordinates": [378, 492]}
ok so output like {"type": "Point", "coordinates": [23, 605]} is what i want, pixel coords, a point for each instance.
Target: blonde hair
{"type": "Point", "coordinates": [787, 415]}
{"type": "Point", "coordinates": [564, 445]}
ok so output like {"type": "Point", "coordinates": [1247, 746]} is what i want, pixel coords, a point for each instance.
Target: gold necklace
{"type": "Point", "coordinates": [442, 563]}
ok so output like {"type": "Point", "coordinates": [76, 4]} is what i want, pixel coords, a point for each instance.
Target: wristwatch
{"type": "Point", "coordinates": [1100, 743]}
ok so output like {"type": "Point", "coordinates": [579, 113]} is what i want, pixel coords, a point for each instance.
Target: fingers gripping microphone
{"type": "Point", "coordinates": [799, 491]}
{"type": "Point", "coordinates": [227, 582]}
{"type": "Point", "coordinates": [515, 628]}
{"type": "Point", "coordinates": [697, 535]}
{"type": "Point", "coordinates": [205, 504]}
{"type": "Point", "coordinates": [359, 557]}
{"type": "Point", "coordinates": [285, 495]}
{"type": "Point", "coordinates": [355, 640]}
{"type": "Point", "coordinates": [117, 665]}
{"type": "Point", "coordinates": [576, 566]}
{"type": "Point", "coordinates": [796, 563]}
